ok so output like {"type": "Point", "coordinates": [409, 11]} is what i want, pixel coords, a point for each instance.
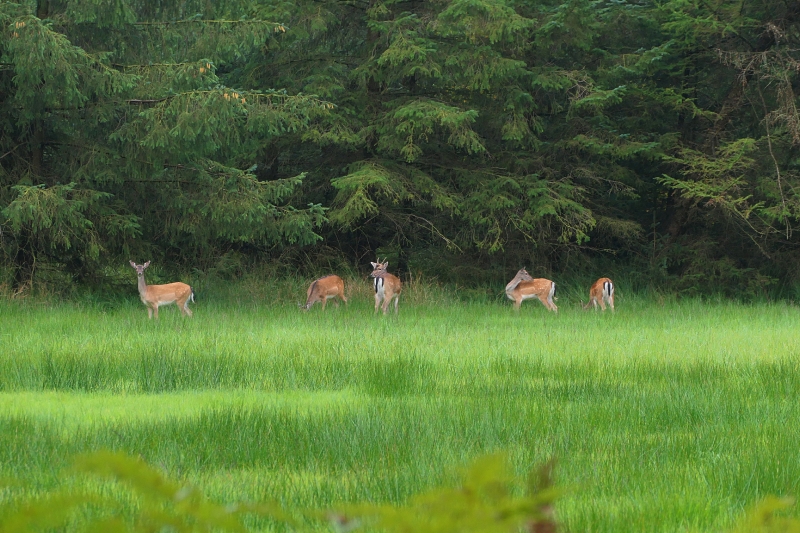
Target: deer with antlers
{"type": "Point", "coordinates": [387, 286]}
{"type": "Point", "coordinates": [602, 293]}
{"type": "Point", "coordinates": [154, 296]}
{"type": "Point", "coordinates": [525, 287]}
{"type": "Point", "coordinates": [323, 289]}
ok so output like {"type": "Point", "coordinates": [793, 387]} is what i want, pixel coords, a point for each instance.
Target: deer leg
{"type": "Point", "coordinates": [377, 301]}
{"type": "Point", "coordinates": [149, 312]}
{"type": "Point", "coordinates": [155, 311]}
{"type": "Point", "coordinates": [396, 303]}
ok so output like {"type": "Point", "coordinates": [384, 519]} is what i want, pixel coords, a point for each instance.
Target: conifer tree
{"type": "Point", "coordinates": [463, 124]}
{"type": "Point", "coordinates": [568, 135]}
{"type": "Point", "coordinates": [121, 135]}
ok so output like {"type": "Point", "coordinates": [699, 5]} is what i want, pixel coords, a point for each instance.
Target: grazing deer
{"type": "Point", "coordinates": [524, 287]}
{"type": "Point", "coordinates": [323, 289]}
{"type": "Point", "coordinates": [154, 296]}
{"type": "Point", "coordinates": [387, 286]}
{"type": "Point", "coordinates": [602, 292]}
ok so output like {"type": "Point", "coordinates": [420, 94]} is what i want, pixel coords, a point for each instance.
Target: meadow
{"type": "Point", "coordinates": [664, 416]}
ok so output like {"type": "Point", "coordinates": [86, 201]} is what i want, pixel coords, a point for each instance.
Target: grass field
{"type": "Point", "coordinates": [668, 417]}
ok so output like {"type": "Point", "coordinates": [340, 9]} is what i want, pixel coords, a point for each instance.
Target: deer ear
{"type": "Point", "coordinates": [133, 264]}
{"type": "Point", "coordinates": [374, 265]}
{"type": "Point", "coordinates": [386, 264]}
{"type": "Point", "coordinates": [146, 264]}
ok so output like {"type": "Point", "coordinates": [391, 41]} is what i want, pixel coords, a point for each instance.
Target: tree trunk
{"type": "Point", "coordinates": [42, 9]}
{"type": "Point", "coordinates": [37, 149]}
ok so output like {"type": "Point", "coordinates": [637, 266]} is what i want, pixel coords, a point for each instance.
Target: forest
{"type": "Point", "coordinates": [651, 140]}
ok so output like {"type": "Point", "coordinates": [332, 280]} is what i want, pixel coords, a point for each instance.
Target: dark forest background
{"type": "Point", "coordinates": [652, 140]}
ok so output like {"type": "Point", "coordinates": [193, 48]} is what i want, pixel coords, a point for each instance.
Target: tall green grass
{"type": "Point", "coordinates": [662, 417]}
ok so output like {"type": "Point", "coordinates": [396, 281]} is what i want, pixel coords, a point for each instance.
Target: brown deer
{"type": "Point", "coordinates": [387, 286]}
{"type": "Point", "coordinates": [323, 289]}
{"type": "Point", "coordinates": [602, 292]}
{"type": "Point", "coordinates": [154, 296]}
{"type": "Point", "coordinates": [525, 287]}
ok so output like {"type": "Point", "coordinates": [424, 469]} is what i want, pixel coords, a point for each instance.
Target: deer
{"type": "Point", "coordinates": [525, 287]}
{"type": "Point", "coordinates": [387, 286]}
{"type": "Point", "coordinates": [154, 296]}
{"type": "Point", "coordinates": [601, 292]}
{"type": "Point", "coordinates": [323, 289]}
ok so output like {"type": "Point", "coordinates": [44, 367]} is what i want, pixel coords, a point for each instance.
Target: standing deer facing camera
{"type": "Point", "coordinates": [387, 286]}
{"type": "Point", "coordinates": [525, 287]}
{"type": "Point", "coordinates": [154, 296]}
{"type": "Point", "coordinates": [602, 292]}
{"type": "Point", "coordinates": [323, 289]}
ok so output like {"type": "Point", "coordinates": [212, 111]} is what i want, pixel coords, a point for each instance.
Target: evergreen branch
{"type": "Point", "coordinates": [140, 101]}
{"type": "Point", "coordinates": [95, 149]}
{"type": "Point", "coordinates": [152, 101]}
{"type": "Point", "coordinates": [120, 65]}
{"type": "Point", "coordinates": [335, 58]}
{"type": "Point", "coordinates": [777, 166]}
{"type": "Point", "coordinates": [204, 21]}
{"type": "Point", "coordinates": [10, 151]}
{"type": "Point", "coordinates": [136, 101]}
{"type": "Point", "coordinates": [354, 3]}
{"type": "Point", "coordinates": [435, 230]}
{"type": "Point", "coordinates": [181, 182]}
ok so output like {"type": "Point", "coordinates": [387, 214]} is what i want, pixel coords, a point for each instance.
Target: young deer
{"type": "Point", "coordinates": [324, 289]}
{"type": "Point", "coordinates": [602, 292]}
{"type": "Point", "coordinates": [154, 296]}
{"type": "Point", "coordinates": [524, 287]}
{"type": "Point", "coordinates": [387, 286]}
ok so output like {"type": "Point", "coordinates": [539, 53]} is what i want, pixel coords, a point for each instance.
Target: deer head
{"type": "Point", "coordinates": [140, 268]}
{"type": "Point", "coordinates": [379, 268]}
